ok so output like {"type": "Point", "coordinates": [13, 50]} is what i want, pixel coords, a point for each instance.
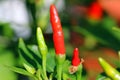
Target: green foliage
{"type": "Point", "coordinates": [19, 70]}
{"type": "Point", "coordinates": [31, 59]}
{"type": "Point", "coordinates": [30, 55]}
{"type": "Point", "coordinates": [103, 76]}
{"type": "Point", "coordinates": [105, 32]}
{"type": "Point", "coordinates": [7, 58]}
{"type": "Point", "coordinates": [25, 55]}
{"type": "Point", "coordinates": [51, 61]}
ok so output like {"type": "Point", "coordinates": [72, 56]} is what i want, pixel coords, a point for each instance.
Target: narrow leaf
{"type": "Point", "coordinates": [25, 55]}
{"type": "Point", "coordinates": [19, 70]}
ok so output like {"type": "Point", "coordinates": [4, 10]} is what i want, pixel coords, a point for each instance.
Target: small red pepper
{"type": "Point", "coordinates": [95, 11]}
{"type": "Point", "coordinates": [76, 60]}
{"type": "Point", "coordinates": [58, 36]}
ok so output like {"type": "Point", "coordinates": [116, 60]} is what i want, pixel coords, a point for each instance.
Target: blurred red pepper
{"type": "Point", "coordinates": [76, 60]}
{"type": "Point", "coordinates": [58, 36]}
{"type": "Point", "coordinates": [95, 11]}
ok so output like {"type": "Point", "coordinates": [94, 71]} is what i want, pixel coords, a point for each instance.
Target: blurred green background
{"type": "Point", "coordinates": [91, 25]}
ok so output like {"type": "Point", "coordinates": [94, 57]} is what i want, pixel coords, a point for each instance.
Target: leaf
{"type": "Point", "coordinates": [7, 58]}
{"type": "Point", "coordinates": [68, 76]}
{"type": "Point", "coordinates": [23, 47]}
{"type": "Point", "coordinates": [50, 61]}
{"type": "Point", "coordinates": [66, 66]}
{"type": "Point", "coordinates": [19, 70]}
{"type": "Point", "coordinates": [26, 55]}
{"type": "Point", "coordinates": [110, 24]}
{"type": "Point", "coordinates": [102, 76]}
{"type": "Point", "coordinates": [33, 49]}
{"type": "Point", "coordinates": [29, 68]}
{"type": "Point", "coordinates": [86, 32]}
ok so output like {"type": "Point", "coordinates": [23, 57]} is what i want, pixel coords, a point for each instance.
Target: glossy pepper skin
{"type": "Point", "coordinates": [76, 60]}
{"type": "Point", "coordinates": [58, 36]}
{"type": "Point", "coordinates": [95, 11]}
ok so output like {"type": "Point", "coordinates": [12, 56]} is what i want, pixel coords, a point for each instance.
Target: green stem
{"type": "Point", "coordinates": [39, 78]}
{"type": "Point", "coordinates": [79, 72]}
{"type": "Point", "coordinates": [60, 58]}
{"type": "Point", "coordinates": [59, 71]}
{"type": "Point", "coordinates": [44, 68]}
{"type": "Point", "coordinates": [38, 75]}
{"type": "Point", "coordinates": [51, 76]}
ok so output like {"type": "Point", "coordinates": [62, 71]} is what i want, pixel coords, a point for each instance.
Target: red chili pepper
{"type": "Point", "coordinates": [76, 60]}
{"type": "Point", "coordinates": [58, 36]}
{"type": "Point", "coordinates": [95, 11]}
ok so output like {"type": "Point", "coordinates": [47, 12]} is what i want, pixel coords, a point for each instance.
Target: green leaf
{"type": "Point", "coordinates": [7, 58]}
{"type": "Point", "coordinates": [33, 50]}
{"type": "Point", "coordinates": [25, 55]}
{"type": "Point", "coordinates": [23, 47]}
{"type": "Point", "coordinates": [51, 61]}
{"type": "Point", "coordinates": [86, 32]}
{"type": "Point", "coordinates": [66, 66]}
{"type": "Point", "coordinates": [109, 25]}
{"type": "Point", "coordinates": [19, 70]}
{"type": "Point", "coordinates": [68, 76]}
{"type": "Point", "coordinates": [7, 30]}
{"type": "Point", "coordinates": [29, 68]}
{"type": "Point", "coordinates": [102, 76]}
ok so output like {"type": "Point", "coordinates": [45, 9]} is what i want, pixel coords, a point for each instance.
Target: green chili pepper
{"type": "Point", "coordinates": [41, 42]}
{"type": "Point", "coordinates": [109, 70]}
{"type": "Point", "coordinates": [43, 50]}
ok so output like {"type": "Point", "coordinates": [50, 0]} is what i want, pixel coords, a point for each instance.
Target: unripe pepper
{"type": "Point", "coordinates": [43, 50]}
{"type": "Point", "coordinates": [58, 36]}
{"type": "Point", "coordinates": [109, 70]}
{"type": "Point", "coordinates": [95, 11]}
{"type": "Point", "coordinates": [41, 42]}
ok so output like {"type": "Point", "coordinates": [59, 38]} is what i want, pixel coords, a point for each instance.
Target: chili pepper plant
{"type": "Point", "coordinates": [41, 63]}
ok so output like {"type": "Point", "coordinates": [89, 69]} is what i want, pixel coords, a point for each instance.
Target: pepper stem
{"type": "Point", "coordinates": [60, 58]}
{"type": "Point", "coordinates": [44, 67]}
{"type": "Point", "coordinates": [59, 71]}
{"type": "Point", "coordinates": [79, 72]}
{"type": "Point", "coordinates": [38, 75]}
